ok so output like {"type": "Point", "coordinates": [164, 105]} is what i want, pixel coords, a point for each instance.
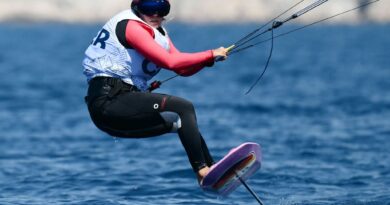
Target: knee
{"type": "Point", "coordinates": [187, 105]}
{"type": "Point", "coordinates": [183, 106]}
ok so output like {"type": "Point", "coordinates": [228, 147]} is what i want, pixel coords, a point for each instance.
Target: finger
{"type": "Point", "coordinates": [219, 58]}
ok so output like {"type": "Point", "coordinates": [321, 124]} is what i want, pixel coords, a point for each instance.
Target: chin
{"type": "Point", "coordinates": [156, 25]}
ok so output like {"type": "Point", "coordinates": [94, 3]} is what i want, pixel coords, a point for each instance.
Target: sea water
{"type": "Point", "coordinates": [321, 114]}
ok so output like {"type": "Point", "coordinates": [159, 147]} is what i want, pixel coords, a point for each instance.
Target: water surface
{"type": "Point", "coordinates": [321, 114]}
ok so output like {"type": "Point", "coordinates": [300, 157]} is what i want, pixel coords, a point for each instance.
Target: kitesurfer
{"type": "Point", "coordinates": [127, 52]}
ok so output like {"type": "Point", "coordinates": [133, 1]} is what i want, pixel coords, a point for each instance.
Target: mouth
{"type": "Point", "coordinates": [155, 22]}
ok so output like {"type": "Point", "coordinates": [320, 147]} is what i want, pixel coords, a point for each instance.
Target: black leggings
{"type": "Point", "coordinates": [122, 111]}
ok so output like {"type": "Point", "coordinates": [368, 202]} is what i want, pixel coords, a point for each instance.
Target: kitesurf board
{"type": "Point", "coordinates": [241, 162]}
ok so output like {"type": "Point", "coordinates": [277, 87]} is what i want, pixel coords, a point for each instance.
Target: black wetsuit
{"type": "Point", "coordinates": [122, 110]}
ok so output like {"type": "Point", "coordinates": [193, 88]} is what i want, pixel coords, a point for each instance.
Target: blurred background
{"type": "Point", "coordinates": [321, 112]}
{"type": "Point", "coordinates": [203, 11]}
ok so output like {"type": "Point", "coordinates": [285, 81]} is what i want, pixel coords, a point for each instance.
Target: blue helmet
{"type": "Point", "coordinates": [151, 7]}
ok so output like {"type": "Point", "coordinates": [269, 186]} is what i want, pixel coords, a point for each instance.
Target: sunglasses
{"type": "Point", "coordinates": [152, 7]}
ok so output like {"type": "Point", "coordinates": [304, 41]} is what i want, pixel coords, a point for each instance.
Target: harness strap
{"type": "Point", "coordinates": [111, 87]}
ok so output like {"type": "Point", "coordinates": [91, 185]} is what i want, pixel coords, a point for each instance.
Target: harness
{"type": "Point", "coordinates": [107, 86]}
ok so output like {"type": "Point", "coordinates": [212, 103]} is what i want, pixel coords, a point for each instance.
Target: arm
{"type": "Point", "coordinates": [140, 37]}
{"type": "Point", "coordinates": [194, 69]}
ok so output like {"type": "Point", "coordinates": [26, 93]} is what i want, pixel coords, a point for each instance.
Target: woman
{"type": "Point", "coordinates": [130, 49]}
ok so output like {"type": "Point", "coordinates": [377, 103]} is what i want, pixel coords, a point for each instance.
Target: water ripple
{"type": "Point", "coordinates": [320, 113]}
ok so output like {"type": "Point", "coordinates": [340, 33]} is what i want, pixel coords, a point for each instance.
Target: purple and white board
{"type": "Point", "coordinates": [241, 162]}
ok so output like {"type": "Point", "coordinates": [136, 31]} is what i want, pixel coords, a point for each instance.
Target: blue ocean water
{"type": "Point", "coordinates": [321, 114]}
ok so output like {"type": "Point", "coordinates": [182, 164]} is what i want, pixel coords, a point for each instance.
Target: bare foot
{"type": "Point", "coordinates": [202, 173]}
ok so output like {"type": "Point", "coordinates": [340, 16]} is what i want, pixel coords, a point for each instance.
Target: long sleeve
{"type": "Point", "coordinates": [140, 37]}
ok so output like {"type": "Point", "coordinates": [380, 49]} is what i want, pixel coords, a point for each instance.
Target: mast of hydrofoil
{"type": "Point", "coordinates": [250, 190]}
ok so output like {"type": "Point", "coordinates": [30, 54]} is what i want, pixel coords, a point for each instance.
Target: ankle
{"type": "Point", "coordinates": [203, 172]}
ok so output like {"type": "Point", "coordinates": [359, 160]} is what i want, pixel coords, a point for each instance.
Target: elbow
{"type": "Point", "coordinates": [189, 72]}
{"type": "Point", "coordinates": [168, 65]}
{"type": "Point", "coordinates": [175, 67]}
{"type": "Point", "coordinates": [183, 73]}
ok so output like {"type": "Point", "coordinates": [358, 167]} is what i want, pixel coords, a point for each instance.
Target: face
{"type": "Point", "coordinates": [154, 20]}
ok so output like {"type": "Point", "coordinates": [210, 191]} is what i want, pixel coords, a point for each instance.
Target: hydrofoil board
{"type": "Point", "coordinates": [236, 167]}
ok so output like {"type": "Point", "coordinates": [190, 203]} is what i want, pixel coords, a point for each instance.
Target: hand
{"type": "Point", "coordinates": [220, 54]}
